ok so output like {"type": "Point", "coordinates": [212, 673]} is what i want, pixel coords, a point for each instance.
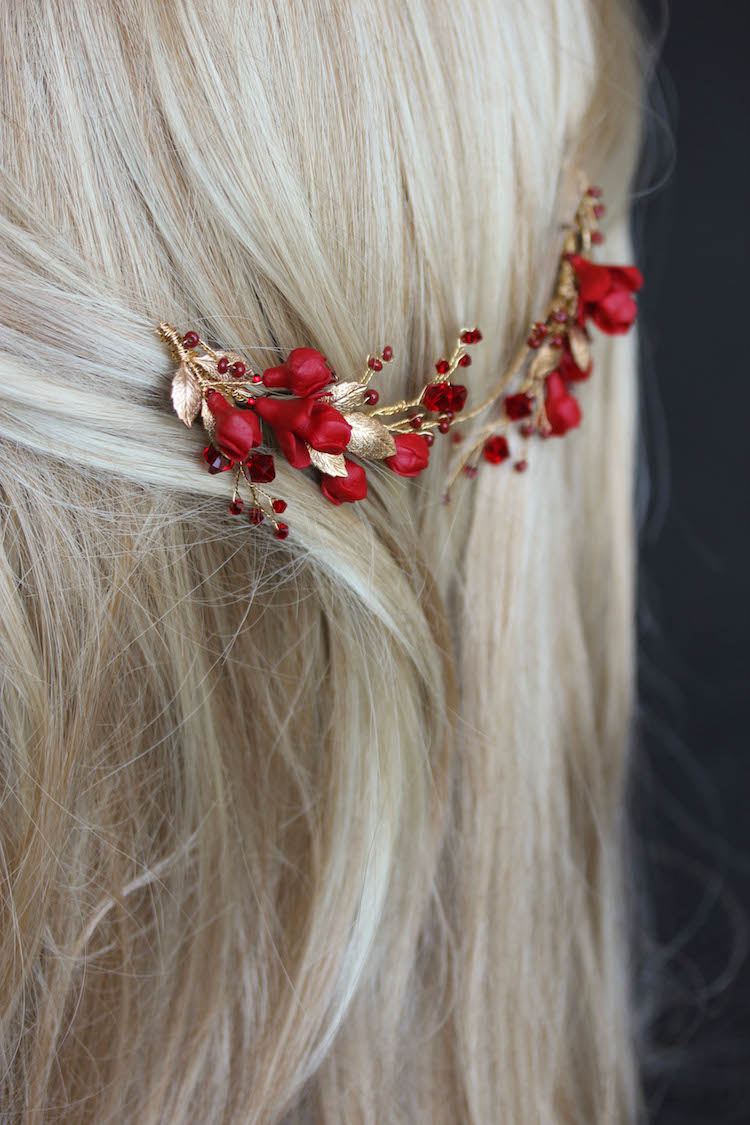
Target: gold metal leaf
{"type": "Point", "coordinates": [207, 418]}
{"type": "Point", "coordinates": [545, 360]}
{"type": "Point", "coordinates": [332, 464]}
{"type": "Point", "coordinates": [346, 396]}
{"type": "Point", "coordinates": [579, 347]}
{"type": "Point", "coordinates": [186, 394]}
{"type": "Point", "coordinates": [370, 438]}
{"type": "Point", "coordinates": [209, 365]}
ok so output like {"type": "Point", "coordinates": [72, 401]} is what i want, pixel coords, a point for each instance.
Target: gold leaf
{"type": "Point", "coordinates": [545, 360]}
{"type": "Point", "coordinates": [209, 365]}
{"type": "Point", "coordinates": [345, 396]}
{"type": "Point", "coordinates": [207, 418]}
{"type": "Point", "coordinates": [332, 464]}
{"type": "Point", "coordinates": [370, 438]}
{"type": "Point", "coordinates": [579, 347]}
{"type": "Point", "coordinates": [186, 394]}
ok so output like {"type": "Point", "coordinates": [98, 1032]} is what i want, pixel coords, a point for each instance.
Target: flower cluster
{"type": "Point", "coordinates": [315, 419]}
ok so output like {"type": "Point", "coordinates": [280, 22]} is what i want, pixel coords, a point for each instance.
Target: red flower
{"type": "Point", "coordinates": [300, 420]}
{"type": "Point", "coordinates": [304, 373]}
{"type": "Point", "coordinates": [411, 457]}
{"type": "Point", "coordinates": [349, 488]}
{"type": "Point", "coordinates": [604, 294]}
{"type": "Point", "coordinates": [237, 431]}
{"type": "Point", "coordinates": [563, 411]}
{"type": "Point", "coordinates": [569, 369]}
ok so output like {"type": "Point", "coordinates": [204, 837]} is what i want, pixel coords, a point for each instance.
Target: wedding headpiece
{"type": "Point", "coordinates": [322, 421]}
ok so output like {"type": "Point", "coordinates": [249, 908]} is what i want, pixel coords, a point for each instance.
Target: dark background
{"type": "Point", "coordinates": [690, 796]}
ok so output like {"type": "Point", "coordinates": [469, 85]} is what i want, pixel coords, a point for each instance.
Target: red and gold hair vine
{"type": "Point", "coordinates": [318, 420]}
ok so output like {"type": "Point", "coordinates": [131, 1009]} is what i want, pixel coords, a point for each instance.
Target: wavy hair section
{"type": "Point", "coordinates": [325, 830]}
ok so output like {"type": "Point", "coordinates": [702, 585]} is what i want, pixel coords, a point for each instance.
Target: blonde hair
{"type": "Point", "coordinates": [326, 830]}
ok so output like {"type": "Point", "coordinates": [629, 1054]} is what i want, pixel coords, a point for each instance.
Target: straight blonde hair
{"type": "Point", "coordinates": [328, 830]}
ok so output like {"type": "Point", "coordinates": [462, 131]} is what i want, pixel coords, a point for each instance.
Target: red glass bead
{"type": "Point", "coordinates": [429, 437]}
{"type": "Point", "coordinates": [251, 402]}
{"type": "Point", "coordinates": [371, 398]}
{"type": "Point", "coordinates": [223, 365]}
{"type": "Point", "coordinates": [237, 506]}
{"type": "Point", "coordinates": [439, 397]}
{"type": "Point", "coordinates": [191, 339]}
{"type": "Point", "coordinates": [388, 353]}
{"type": "Point", "coordinates": [278, 506]}
{"type": "Point", "coordinates": [518, 406]}
{"type": "Point", "coordinates": [374, 363]}
{"type": "Point", "coordinates": [560, 315]}
{"type": "Point", "coordinates": [470, 470]}
{"type": "Point", "coordinates": [260, 468]}
{"type": "Point", "coordinates": [257, 378]}
{"type": "Point", "coordinates": [457, 438]}
{"type": "Point", "coordinates": [534, 341]}
{"type": "Point", "coordinates": [595, 191]}
{"type": "Point", "coordinates": [556, 341]}
{"type": "Point", "coordinates": [465, 361]}
{"type": "Point", "coordinates": [238, 369]}
{"type": "Point", "coordinates": [255, 516]}
{"type": "Point", "coordinates": [496, 449]}
{"type": "Point", "coordinates": [444, 425]}
{"type": "Point", "coordinates": [597, 237]}
{"type": "Point", "coordinates": [442, 367]}
{"type": "Point", "coordinates": [281, 531]}
{"type": "Point", "coordinates": [416, 421]}
{"type": "Point", "coordinates": [527, 429]}
{"type": "Point", "coordinates": [477, 336]}
{"type": "Point", "coordinates": [599, 210]}
{"type": "Point", "coordinates": [521, 466]}
{"type": "Point", "coordinates": [216, 461]}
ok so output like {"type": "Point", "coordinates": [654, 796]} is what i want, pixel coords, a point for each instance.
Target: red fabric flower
{"type": "Point", "coordinates": [237, 431]}
{"type": "Point", "coordinates": [569, 369]}
{"type": "Point", "coordinates": [299, 420]}
{"type": "Point", "coordinates": [411, 457]}
{"type": "Point", "coordinates": [304, 373]}
{"type": "Point", "coordinates": [605, 294]}
{"type": "Point", "coordinates": [563, 411]}
{"type": "Point", "coordinates": [349, 488]}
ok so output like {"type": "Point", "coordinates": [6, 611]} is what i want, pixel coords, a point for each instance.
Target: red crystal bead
{"type": "Point", "coordinates": [534, 341]}
{"type": "Point", "coordinates": [440, 397]}
{"type": "Point", "coordinates": [255, 516]}
{"type": "Point", "coordinates": [556, 341]}
{"type": "Point", "coordinates": [518, 406]}
{"type": "Point", "coordinates": [429, 437]}
{"type": "Point", "coordinates": [444, 425]}
{"type": "Point", "coordinates": [496, 449]}
{"type": "Point", "coordinates": [281, 531]}
{"type": "Point", "coordinates": [457, 438]}
{"type": "Point", "coordinates": [597, 237]}
{"type": "Point", "coordinates": [599, 210]}
{"type": "Point", "coordinates": [371, 398]}
{"type": "Point", "coordinates": [223, 365]}
{"type": "Point", "coordinates": [216, 461]}
{"type": "Point", "coordinates": [560, 315]}
{"type": "Point", "coordinates": [477, 336]}
{"type": "Point", "coordinates": [416, 421]}
{"type": "Point", "coordinates": [527, 429]}
{"type": "Point", "coordinates": [442, 367]}
{"type": "Point", "coordinates": [470, 470]}
{"type": "Point", "coordinates": [278, 506]}
{"type": "Point", "coordinates": [465, 361]}
{"type": "Point", "coordinates": [237, 506]}
{"type": "Point", "coordinates": [521, 466]}
{"type": "Point", "coordinates": [191, 339]}
{"type": "Point", "coordinates": [257, 378]}
{"type": "Point", "coordinates": [251, 402]}
{"type": "Point", "coordinates": [595, 191]}
{"type": "Point", "coordinates": [387, 353]}
{"type": "Point", "coordinates": [260, 468]}
{"type": "Point", "coordinates": [238, 369]}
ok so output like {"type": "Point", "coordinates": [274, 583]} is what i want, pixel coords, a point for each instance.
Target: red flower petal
{"type": "Point", "coordinates": [411, 457]}
{"type": "Point", "coordinates": [237, 431]}
{"type": "Point", "coordinates": [346, 489]}
{"type": "Point", "coordinates": [615, 313]}
{"type": "Point", "coordinates": [569, 369]}
{"type": "Point", "coordinates": [303, 373]}
{"type": "Point", "coordinates": [300, 420]}
{"type": "Point", "coordinates": [563, 411]}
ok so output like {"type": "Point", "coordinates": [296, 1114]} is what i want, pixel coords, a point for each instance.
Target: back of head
{"type": "Point", "coordinates": [322, 830]}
